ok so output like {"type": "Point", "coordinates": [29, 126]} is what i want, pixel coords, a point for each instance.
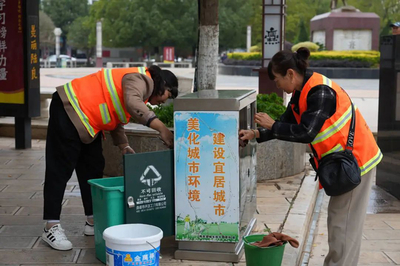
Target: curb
{"type": "Point", "coordinates": [298, 221]}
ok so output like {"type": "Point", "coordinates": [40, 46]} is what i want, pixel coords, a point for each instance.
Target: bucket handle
{"type": "Point", "coordinates": [154, 249]}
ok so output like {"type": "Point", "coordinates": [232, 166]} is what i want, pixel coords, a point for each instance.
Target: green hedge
{"type": "Point", "coordinates": [245, 56]}
{"type": "Point", "coordinates": [371, 57]}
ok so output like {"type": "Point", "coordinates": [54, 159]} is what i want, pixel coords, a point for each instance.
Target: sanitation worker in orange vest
{"type": "Point", "coordinates": [319, 113]}
{"type": "Point", "coordinates": [79, 113]}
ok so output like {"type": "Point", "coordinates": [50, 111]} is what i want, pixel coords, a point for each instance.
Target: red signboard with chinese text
{"type": "Point", "coordinates": [11, 52]}
{"type": "Point", "coordinates": [169, 54]}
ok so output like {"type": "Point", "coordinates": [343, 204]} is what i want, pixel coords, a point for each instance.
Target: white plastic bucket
{"type": "Point", "coordinates": [132, 244]}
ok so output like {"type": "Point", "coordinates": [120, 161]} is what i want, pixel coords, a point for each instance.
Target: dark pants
{"type": "Point", "coordinates": [65, 152]}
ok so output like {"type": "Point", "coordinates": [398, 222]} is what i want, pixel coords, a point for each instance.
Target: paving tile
{"type": "Point", "coordinates": [383, 216]}
{"type": "Point", "coordinates": [21, 202]}
{"type": "Point", "coordinates": [270, 218]}
{"type": "Point", "coordinates": [273, 193]}
{"type": "Point", "coordinates": [18, 182]}
{"type": "Point", "coordinates": [377, 225]}
{"type": "Point", "coordinates": [9, 176]}
{"type": "Point", "coordinates": [22, 188]}
{"type": "Point", "coordinates": [27, 256]}
{"type": "Point", "coordinates": [394, 256]}
{"type": "Point", "coordinates": [30, 176]}
{"type": "Point", "coordinates": [16, 195]}
{"type": "Point", "coordinates": [85, 242]}
{"type": "Point", "coordinates": [39, 210]}
{"type": "Point", "coordinates": [15, 166]}
{"type": "Point", "coordinates": [281, 201]}
{"type": "Point", "coordinates": [20, 220]}
{"type": "Point", "coordinates": [273, 209]}
{"type": "Point", "coordinates": [8, 210]}
{"type": "Point", "coordinates": [71, 229]}
{"type": "Point", "coordinates": [382, 234]}
{"type": "Point", "coordinates": [7, 242]}
{"type": "Point", "coordinates": [380, 245]}
{"type": "Point", "coordinates": [369, 258]}
{"type": "Point", "coordinates": [393, 224]}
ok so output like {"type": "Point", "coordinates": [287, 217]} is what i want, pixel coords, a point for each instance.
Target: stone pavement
{"type": "Point", "coordinates": [381, 235]}
{"type": "Point", "coordinates": [21, 198]}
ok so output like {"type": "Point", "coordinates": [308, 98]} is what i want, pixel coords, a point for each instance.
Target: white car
{"type": "Point", "coordinates": [53, 58]}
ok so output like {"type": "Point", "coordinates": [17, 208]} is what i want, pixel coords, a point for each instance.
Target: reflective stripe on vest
{"type": "Point", "coordinates": [142, 70]}
{"type": "Point", "coordinates": [105, 115]}
{"type": "Point", "coordinates": [69, 91]}
{"type": "Point", "coordinates": [334, 149]}
{"type": "Point", "coordinates": [371, 163]}
{"type": "Point", "coordinates": [114, 96]}
{"type": "Point", "coordinates": [335, 127]}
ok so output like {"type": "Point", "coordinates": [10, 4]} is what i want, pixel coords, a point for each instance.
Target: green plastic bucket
{"type": "Point", "coordinates": [256, 256]}
{"type": "Point", "coordinates": [108, 208]}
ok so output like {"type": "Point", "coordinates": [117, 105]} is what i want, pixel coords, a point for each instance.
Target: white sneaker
{"type": "Point", "coordinates": [56, 238]}
{"type": "Point", "coordinates": [89, 229]}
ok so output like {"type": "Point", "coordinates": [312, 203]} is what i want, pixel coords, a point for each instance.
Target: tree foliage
{"type": "Point", "coordinates": [82, 35]}
{"type": "Point", "coordinates": [64, 12]}
{"type": "Point", "coordinates": [46, 29]}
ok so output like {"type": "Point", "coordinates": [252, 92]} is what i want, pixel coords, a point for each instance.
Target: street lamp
{"type": "Point", "coordinates": [99, 45]}
{"type": "Point", "coordinates": [57, 32]}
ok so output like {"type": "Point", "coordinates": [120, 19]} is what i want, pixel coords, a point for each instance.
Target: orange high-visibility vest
{"type": "Point", "coordinates": [98, 98]}
{"type": "Point", "coordinates": [333, 135]}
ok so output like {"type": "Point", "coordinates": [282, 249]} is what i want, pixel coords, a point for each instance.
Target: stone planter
{"type": "Point", "coordinates": [277, 159]}
{"type": "Point", "coordinates": [141, 139]}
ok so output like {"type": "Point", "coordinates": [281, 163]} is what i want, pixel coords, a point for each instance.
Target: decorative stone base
{"type": "Point", "coordinates": [277, 159]}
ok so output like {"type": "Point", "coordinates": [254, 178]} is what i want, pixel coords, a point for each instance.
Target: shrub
{"type": "Point", "coordinates": [371, 57]}
{"type": "Point", "coordinates": [271, 104]}
{"type": "Point", "coordinates": [339, 63]}
{"type": "Point", "coordinates": [165, 113]}
{"type": "Point", "coordinates": [245, 56]}
{"type": "Point", "coordinates": [310, 45]}
{"type": "Point", "coordinates": [255, 48]}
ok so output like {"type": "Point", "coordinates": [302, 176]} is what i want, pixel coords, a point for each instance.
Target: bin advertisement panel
{"type": "Point", "coordinates": [206, 176]}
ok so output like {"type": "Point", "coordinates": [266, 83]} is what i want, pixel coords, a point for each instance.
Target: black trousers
{"type": "Point", "coordinates": [65, 152]}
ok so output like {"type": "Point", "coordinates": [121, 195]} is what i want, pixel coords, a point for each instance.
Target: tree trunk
{"type": "Point", "coordinates": [208, 46]}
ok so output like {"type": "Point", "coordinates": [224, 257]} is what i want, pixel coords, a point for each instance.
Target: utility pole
{"type": "Point", "coordinates": [208, 48]}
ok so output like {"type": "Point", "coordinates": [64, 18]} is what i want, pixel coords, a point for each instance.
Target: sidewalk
{"type": "Point", "coordinates": [286, 204]}
{"type": "Point", "coordinates": [287, 200]}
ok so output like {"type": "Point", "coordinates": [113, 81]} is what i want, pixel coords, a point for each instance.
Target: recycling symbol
{"type": "Point", "coordinates": [148, 179]}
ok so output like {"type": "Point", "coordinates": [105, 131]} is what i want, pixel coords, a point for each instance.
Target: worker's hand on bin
{"type": "Point", "coordinates": [245, 135]}
{"type": "Point", "coordinates": [167, 137]}
{"type": "Point", "coordinates": [264, 120]}
{"type": "Point", "coordinates": [126, 149]}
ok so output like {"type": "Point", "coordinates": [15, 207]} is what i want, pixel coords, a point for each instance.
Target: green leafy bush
{"type": "Point", "coordinates": [310, 45]}
{"type": "Point", "coordinates": [255, 48]}
{"type": "Point", "coordinates": [271, 104]}
{"type": "Point", "coordinates": [245, 56]}
{"type": "Point", "coordinates": [371, 57]}
{"type": "Point", "coordinates": [165, 113]}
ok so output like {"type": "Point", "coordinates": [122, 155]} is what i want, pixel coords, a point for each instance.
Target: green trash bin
{"type": "Point", "coordinates": [108, 208]}
{"type": "Point", "coordinates": [256, 256]}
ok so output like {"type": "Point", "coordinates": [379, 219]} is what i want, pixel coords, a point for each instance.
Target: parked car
{"type": "Point", "coordinates": [53, 58]}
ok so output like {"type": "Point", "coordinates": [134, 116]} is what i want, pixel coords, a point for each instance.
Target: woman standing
{"type": "Point", "coordinates": [319, 113]}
